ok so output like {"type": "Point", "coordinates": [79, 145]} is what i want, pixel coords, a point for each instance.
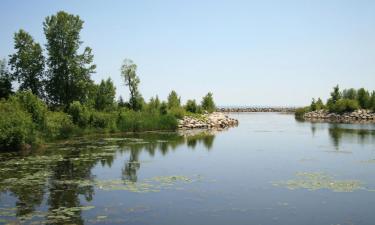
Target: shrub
{"type": "Point", "coordinates": [59, 125]}
{"type": "Point", "coordinates": [141, 121]}
{"type": "Point", "coordinates": [177, 112]}
{"type": "Point", "coordinates": [301, 111]}
{"type": "Point", "coordinates": [33, 105]}
{"type": "Point", "coordinates": [345, 105]}
{"type": "Point", "coordinates": [80, 114]}
{"type": "Point", "coordinates": [191, 106]}
{"type": "Point", "coordinates": [163, 108]}
{"type": "Point", "coordinates": [16, 128]}
{"type": "Point", "coordinates": [103, 120]}
{"type": "Point", "coordinates": [208, 103]}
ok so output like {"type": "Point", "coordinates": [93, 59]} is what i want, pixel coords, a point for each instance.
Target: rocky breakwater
{"type": "Point", "coordinates": [214, 120]}
{"type": "Point", "coordinates": [352, 117]}
{"type": "Point", "coordinates": [259, 109]}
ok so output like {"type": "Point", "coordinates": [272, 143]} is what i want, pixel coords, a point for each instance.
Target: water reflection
{"type": "Point", "coordinates": [338, 133]}
{"type": "Point", "coordinates": [54, 174]}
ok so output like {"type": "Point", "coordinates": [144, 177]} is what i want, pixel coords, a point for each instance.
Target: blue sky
{"type": "Point", "coordinates": [245, 52]}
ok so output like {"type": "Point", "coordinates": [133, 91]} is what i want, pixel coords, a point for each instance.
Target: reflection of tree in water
{"type": "Point", "coordinates": [169, 141]}
{"type": "Point", "coordinates": [69, 163]}
{"type": "Point", "coordinates": [337, 133]}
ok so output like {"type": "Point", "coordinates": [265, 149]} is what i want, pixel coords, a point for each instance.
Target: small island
{"type": "Point", "coordinates": [347, 106]}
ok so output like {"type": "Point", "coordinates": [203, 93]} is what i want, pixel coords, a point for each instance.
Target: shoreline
{"type": "Point", "coordinates": [358, 116]}
{"type": "Point", "coordinates": [215, 120]}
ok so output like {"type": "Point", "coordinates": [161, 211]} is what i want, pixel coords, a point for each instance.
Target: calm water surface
{"type": "Point", "coordinates": [271, 169]}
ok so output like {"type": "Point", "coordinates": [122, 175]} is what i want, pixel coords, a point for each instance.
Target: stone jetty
{"type": "Point", "coordinates": [258, 109]}
{"type": "Point", "coordinates": [356, 116]}
{"type": "Point", "coordinates": [215, 120]}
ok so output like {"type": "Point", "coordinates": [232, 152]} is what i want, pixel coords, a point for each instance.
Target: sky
{"type": "Point", "coordinates": [268, 53]}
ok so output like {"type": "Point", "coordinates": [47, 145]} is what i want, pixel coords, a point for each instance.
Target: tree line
{"type": "Point", "coordinates": [347, 100]}
{"type": "Point", "coordinates": [56, 94]}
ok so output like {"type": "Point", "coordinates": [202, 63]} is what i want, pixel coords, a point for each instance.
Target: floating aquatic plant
{"type": "Point", "coordinates": [317, 181]}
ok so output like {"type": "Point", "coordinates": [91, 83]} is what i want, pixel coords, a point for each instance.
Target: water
{"type": "Point", "coordinates": [271, 169]}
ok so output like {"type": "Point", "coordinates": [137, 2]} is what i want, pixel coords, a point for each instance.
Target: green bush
{"type": "Point", "coordinates": [33, 105]}
{"type": "Point", "coordinates": [80, 114]}
{"type": "Point", "coordinates": [208, 103]}
{"type": "Point", "coordinates": [16, 126]}
{"type": "Point", "coordinates": [345, 105]}
{"type": "Point", "coordinates": [142, 121]}
{"type": "Point", "coordinates": [103, 120]}
{"type": "Point", "coordinates": [191, 106]}
{"type": "Point", "coordinates": [177, 112]}
{"type": "Point", "coordinates": [58, 125]}
{"type": "Point", "coordinates": [301, 111]}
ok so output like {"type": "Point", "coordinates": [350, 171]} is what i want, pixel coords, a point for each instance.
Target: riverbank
{"type": "Point", "coordinates": [215, 120]}
{"type": "Point", "coordinates": [258, 109]}
{"type": "Point", "coordinates": [362, 116]}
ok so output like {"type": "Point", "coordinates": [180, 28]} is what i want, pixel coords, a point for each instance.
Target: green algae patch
{"type": "Point", "coordinates": [318, 181]}
{"type": "Point", "coordinates": [153, 184]}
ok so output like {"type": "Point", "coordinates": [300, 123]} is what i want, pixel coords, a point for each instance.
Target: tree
{"type": "Point", "coordinates": [173, 100]}
{"type": "Point", "coordinates": [69, 75]}
{"type": "Point", "coordinates": [191, 106]}
{"type": "Point", "coordinates": [372, 101]}
{"type": "Point", "coordinates": [27, 63]}
{"type": "Point", "coordinates": [313, 105]}
{"type": "Point", "coordinates": [129, 73]}
{"type": "Point", "coordinates": [319, 104]}
{"type": "Point", "coordinates": [208, 103]}
{"type": "Point", "coordinates": [363, 98]}
{"type": "Point", "coordinates": [5, 81]}
{"type": "Point", "coordinates": [335, 96]}
{"type": "Point", "coordinates": [105, 95]}
{"type": "Point", "coordinates": [349, 94]}
{"type": "Point", "coordinates": [154, 104]}
{"type": "Point", "coordinates": [121, 102]}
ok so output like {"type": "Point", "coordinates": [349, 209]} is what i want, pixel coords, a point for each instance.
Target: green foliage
{"type": "Point", "coordinates": [129, 120]}
{"type": "Point", "coordinates": [335, 94]}
{"type": "Point", "coordinates": [191, 106]}
{"type": "Point", "coordinates": [301, 111]}
{"type": "Point", "coordinates": [69, 75]}
{"type": "Point", "coordinates": [79, 113]}
{"type": "Point", "coordinates": [129, 74]}
{"type": "Point", "coordinates": [163, 108]}
{"type": "Point", "coordinates": [372, 101]}
{"type": "Point", "coordinates": [27, 63]}
{"type": "Point", "coordinates": [16, 128]}
{"type": "Point", "coordinates": [208, 103]}
{"type": "Point", "coordinates": [349, 94]}
{"type": "Point", "coordinates": [33, 105]}
{"type": "Point", "coordinates": [174, 101]}
{"type": "Point", "coordinates": [177, 112]}
{"type": "Point", "coordinates": [345, 105]}
{"type": "Point", "coordinates": [58, 125]}
{"type": "Point", "coordinates": [5, 81]}
{"type": "Point", "coordinates": [313, 105]}
{"type": "Point", "coordinates": [105, 95]}
{"type": "Point", "coordinates": [363, 98]}
{"type": "Point", "coordinates": [319, 104]}
{"type": "Point", "coordinates": [103, 120]}
{"type": "Point", "coordinates": [154, 105]}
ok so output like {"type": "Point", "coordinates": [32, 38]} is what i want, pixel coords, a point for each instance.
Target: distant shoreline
{"type": "Point", "coordinates": [257, 109]}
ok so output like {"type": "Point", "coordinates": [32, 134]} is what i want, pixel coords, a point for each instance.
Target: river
{"type": "Point", "coordinates": [270, 170]}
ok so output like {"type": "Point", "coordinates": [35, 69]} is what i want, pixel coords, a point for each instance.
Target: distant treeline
{"type": "Point", "coordinates": [56, 96]}
{"type": "Point", "coordinates": [340, 102]}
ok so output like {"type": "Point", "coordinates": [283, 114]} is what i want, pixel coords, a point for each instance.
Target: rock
{"type": "Point", "coordinates": [356, 116]}
{"type": "Point", "coordinates": [207, 121]}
